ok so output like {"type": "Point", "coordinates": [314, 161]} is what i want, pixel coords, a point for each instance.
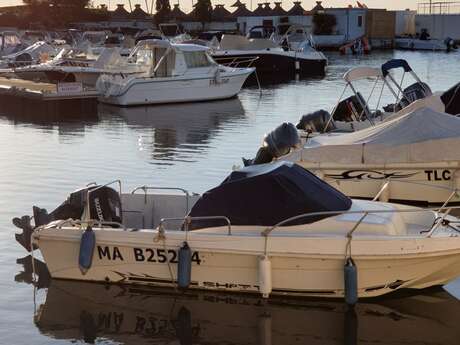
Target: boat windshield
{"type": "Point", "coordinates": [195, 59]}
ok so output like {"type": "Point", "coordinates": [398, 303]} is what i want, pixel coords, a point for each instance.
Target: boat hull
{"type": "Point", "coordinates": [300, 266]}
{"type": "Point", "coordinates": [181, 90]}
{"type": "Point", "coordinates": [272, 66]}
{"type": "Point", "coordinates": [417, 184]}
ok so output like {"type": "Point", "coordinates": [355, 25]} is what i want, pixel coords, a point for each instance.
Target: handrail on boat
{"type": "Point", "coordinates": [89, 222]}
{"type": "Point", "coordinates": [237, 61]}
{"type": "Point", "coordinates": [146, 188]}
{"type": "Point", "coordinates": [267, 231]}
{"type": "Point", "coordinates": [188, 220]}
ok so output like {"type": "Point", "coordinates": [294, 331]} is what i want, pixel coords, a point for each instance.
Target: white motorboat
{"type": "Point", "coordinates": [409, 159]}
{"type": "Point", "coordinates": [39, 52]}
{"type": "Point", "coordinates": [274, 229]}
{"type": "Point", "coordinates": [358, 111]}
{"type": "Point", "coordinates": [409, 43]}
{"type": "Point", "coordinates": [176, 73]}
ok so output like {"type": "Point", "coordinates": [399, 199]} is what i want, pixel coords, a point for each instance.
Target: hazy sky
{"type": "Point", "coordinates": [307, 4]}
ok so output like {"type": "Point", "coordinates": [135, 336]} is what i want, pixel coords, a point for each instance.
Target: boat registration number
{"type": "Point", "coordinates": [145, 255]}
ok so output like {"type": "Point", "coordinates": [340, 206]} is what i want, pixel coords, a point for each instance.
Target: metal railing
{"type": "Point", "coordinates": [187, 221]}
{"type": "Point", "coordinates": [237, 61]}
{"type": "Point", "coordinates": [147, 188]}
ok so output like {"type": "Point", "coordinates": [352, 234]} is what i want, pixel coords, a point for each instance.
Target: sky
{"type": "Point", "coordinates": [307, 4]}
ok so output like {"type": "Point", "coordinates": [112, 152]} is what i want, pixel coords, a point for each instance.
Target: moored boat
{"type": "Point", "coordinates": [177, 73]}
{"type": "Point", "coordinates": [271, 230]}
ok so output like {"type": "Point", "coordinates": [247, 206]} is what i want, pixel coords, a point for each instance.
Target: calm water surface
{"type": "Point", "coordinates": [193, 147]}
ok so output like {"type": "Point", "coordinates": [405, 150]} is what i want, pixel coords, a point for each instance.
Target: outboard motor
{"type": "Point", "coordinates": [105, 205]}
{"type": "Point", "coordinates": [413, 92]}
{"type": "Point", "coordinates": [277, 143]}
{"type": "Point", "coordinates": [316, 122]}
{"type": "Point", "coordinates": [350, 109]}
{"type": "Point", "coordinates": [451, 99]}
{"type": "Point", "coordinates": [450, 44]}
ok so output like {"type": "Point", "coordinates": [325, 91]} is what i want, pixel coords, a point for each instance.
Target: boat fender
{"type": "Point", "coordinates": [265, 276]}
{"type": "Point", "coordinates": [184, 266]}
{"type": "Point", "coordinates": [351, 282]}
{"type": "Point", "coordinates": [87, 245]}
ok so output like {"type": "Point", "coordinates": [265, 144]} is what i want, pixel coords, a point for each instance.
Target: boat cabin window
{"type": "Point", "coordinates": [11, 41]}
{"type": "Point", "coordinates": [196, 59]}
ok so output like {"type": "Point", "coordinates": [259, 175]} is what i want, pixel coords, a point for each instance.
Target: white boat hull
{"type": "Point", "coordinates": [429, 183]}
{"type": "Point", "coordinates": [178, 90]}
{"type": "Point", "coordinates": [300, 265]}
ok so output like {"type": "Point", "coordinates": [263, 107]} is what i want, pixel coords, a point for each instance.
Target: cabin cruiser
{"type": "Point", "coordinates": [174, 73]}
{"type": "Point", "coordinates": [253, 233]}
{"type": "Point", "coordinates": [272, 60]}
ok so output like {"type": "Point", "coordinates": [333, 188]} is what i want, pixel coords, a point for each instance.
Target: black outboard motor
{"type": "Point", "coordinates": [350, 109]}
{"type": "Point", "coordinates": [316, 122]}
{"type": "Point", "coordinates": [413, 92]}
{"type": "Point", "coordinates": [277, 143]}
{"type": "Point", "coordinates": [105, 205]}
{"type": "Point", "coordinates": [451, 99]}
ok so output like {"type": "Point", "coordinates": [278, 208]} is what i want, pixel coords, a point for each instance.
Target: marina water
{"type": "Point", "coordinates": [192, 146]}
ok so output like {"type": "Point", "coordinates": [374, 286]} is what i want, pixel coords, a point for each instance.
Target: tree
{"type": "Point", "coordinates": [163, 9]}
{"type": "Point", "coordinates": [324, 23]}
{"type": "Point", "coordinates": [203, 11]}
{"type": "Point", "coordinates": [57, 12]}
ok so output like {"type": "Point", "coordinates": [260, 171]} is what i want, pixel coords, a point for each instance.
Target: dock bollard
{"type": "Point", "coordinates": [184, 266]}
{"type": "Point", "coordinates": [265, 276]}
{"type": "Point", "coordinates": [351, 282]}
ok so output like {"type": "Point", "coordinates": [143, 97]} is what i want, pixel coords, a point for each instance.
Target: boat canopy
{"type": "Point", "coordinates": [359, 73]}
{"type": "Point", "coordinates": [419, 136]}
{"type": "Point", "coordinates": [267, 194]}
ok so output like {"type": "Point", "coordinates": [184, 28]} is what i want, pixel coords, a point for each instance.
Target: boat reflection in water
{"type": "Point", "coordinates": [139, 315]}
{"type": "Point", "coordinates": [177, 132]}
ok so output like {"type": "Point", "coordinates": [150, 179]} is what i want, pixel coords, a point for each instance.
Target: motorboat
{"type": "Point", "coordinates": [175, 73]}
{"type": "Point", "coordinates": [411, 43]}
{"type": "Point", "coordinates": [408, 159]}
{"type": "Point", "coordinates": [272, 60]}
{"type": "Point", "coordinates": [270, 230]}
{"type": "Point", "coordinates": [39, 52]}
{"type": "Point", "coordinates": [357, 111]}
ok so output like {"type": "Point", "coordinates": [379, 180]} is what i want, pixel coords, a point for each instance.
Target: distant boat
{"type": "Point", "coordinates": [272, 60]}
{"type": "Point", "coordinates": [429, 44]}
{"type": "Point", "coordinates": [175, 73]}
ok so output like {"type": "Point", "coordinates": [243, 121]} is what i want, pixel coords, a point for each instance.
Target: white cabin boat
{"type": "Point", "coordinates": [271, 230]}
{"type": "Point", "coordinates": [174, 73]}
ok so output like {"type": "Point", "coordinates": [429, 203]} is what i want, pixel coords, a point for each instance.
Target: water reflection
{"type": "Point", "coordinates": [176, 132]}
{"type": "Point", "coordinates": [138, 315]}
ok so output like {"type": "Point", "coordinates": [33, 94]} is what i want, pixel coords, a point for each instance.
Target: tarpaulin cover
{"type": "Point", "coordinates": [267, 194]}
{"type": "Point", "coordinates": [423, 135]}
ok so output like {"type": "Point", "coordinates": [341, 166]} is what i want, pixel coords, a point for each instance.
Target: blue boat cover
{"type": "Point", "coordinates": [266, 194]}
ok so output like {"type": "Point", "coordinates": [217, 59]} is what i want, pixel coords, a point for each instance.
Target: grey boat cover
{"type": "Point", "coordinates": [423, 135]}
{"type": "Point", "coordinates": [267, 194]}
